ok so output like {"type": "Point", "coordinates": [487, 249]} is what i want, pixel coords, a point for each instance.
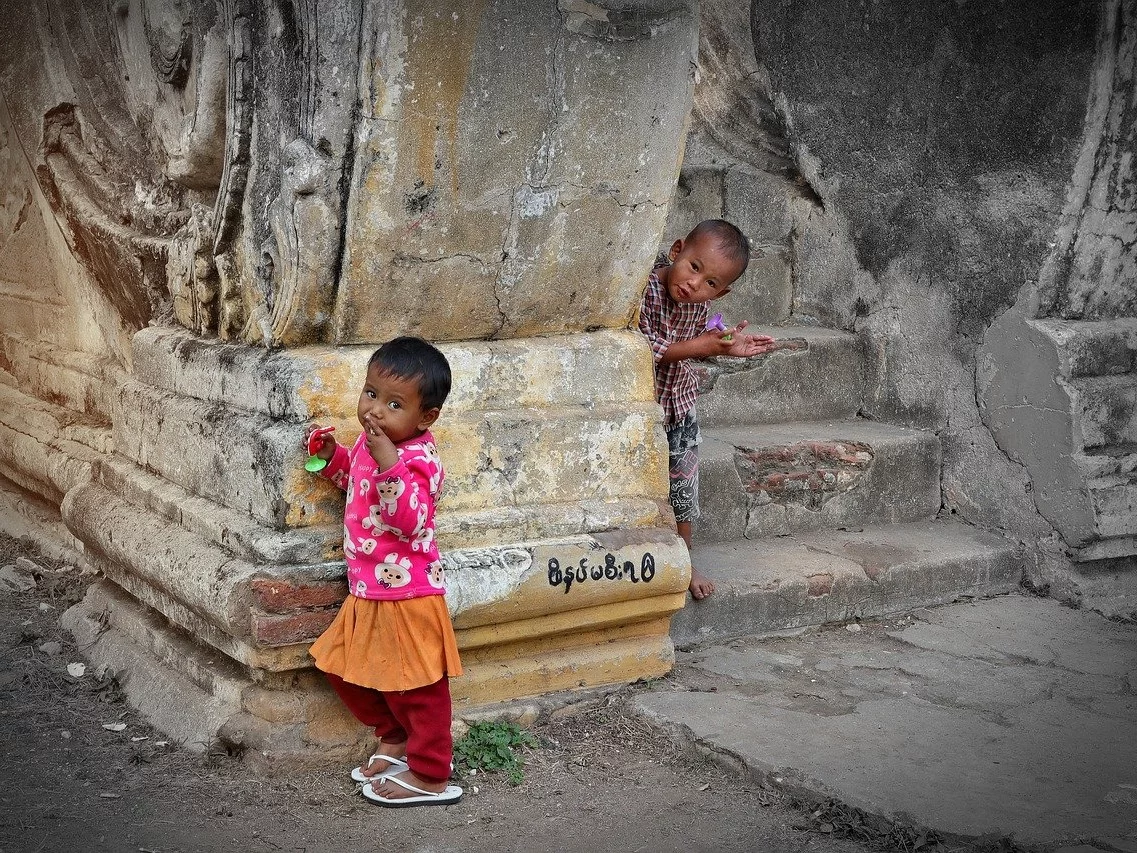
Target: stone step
{"type": "Point", "coordinates": [77, 381]}
{"type": "Point", "coordinates": [1114, 502]}
{"type": "Point", "coordinates": [781, 478]}
{"type": "Point", "coordinates": [814, 374]}
{"type": "Point", "coordinates": [1113, 506]}
{"type": "Point", "coordinates": [1093, 347]}
{"type": "Point", "coordinates": [44, 449]}
{"type": "Point", "coordinates": [782, 583]}
{"type": "Point", "coordinates": [1105, 413]}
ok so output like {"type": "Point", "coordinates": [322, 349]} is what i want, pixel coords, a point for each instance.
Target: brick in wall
{"type": "Point", "coordinates": [807, 472]}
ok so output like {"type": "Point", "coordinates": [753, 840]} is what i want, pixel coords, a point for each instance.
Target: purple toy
{"type": "Point", "coordinates": [716, 324]}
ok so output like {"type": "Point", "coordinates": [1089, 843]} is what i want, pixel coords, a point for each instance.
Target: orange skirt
{"type": "Point", "coordinates": [390, 645]}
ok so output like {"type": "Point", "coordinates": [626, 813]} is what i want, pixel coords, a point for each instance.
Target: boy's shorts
{"type": "Point", "coordinates": [683, 467]}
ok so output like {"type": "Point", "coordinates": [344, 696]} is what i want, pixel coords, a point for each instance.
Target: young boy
{"type": "Point", "coordinates": [391, 649]}
{"type": "Point", "coordinates": [673, 317]}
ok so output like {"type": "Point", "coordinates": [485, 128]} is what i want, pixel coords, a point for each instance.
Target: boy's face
{"type": "Point", "coordinates": [700, 270]}
{"type": "Point", "coordinates": [394, 404]}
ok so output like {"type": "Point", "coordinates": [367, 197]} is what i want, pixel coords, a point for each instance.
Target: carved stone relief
{"type": "Point", "coordinates": [271, 173]}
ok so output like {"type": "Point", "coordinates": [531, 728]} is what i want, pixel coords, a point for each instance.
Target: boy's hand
{"type": "Point", "coordinates": [327, 444]}
{"type": "Point", "coordinates": [713, 343]}
{"type": "Point", "coordinates": [733, 343]}
{"type": "Point", "coordinates": [746, 346]}
{"type": "Point", "coordinates": [380, 447]}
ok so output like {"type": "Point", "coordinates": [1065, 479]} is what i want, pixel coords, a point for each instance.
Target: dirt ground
{"type": "Point", "coordinates": [82, 771]}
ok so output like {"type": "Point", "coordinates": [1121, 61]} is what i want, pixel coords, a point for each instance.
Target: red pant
{"type": "Point", "coordinates": [421, 717]}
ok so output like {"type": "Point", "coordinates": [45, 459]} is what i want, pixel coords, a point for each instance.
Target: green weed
{"type": "Point", "coordinates": [493, 747]}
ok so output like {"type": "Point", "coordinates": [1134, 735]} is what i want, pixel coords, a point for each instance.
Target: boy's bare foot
{"type": "Point", "coordinates": [391, 791]}
{"type": "Point", "coordinates": [380, 764]}
{"type": "Point", "coordinates": [701, 585]}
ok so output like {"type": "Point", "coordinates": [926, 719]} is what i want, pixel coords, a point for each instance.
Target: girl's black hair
{"type": "Point", "coordinates": [414, 359]}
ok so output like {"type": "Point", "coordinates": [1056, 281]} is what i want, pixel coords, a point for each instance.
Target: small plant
{"type": "Point", "coordinates": [492, 747]}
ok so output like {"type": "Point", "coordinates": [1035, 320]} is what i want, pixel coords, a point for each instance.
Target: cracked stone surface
{"type": "Point", "coordinates": [1011, 715]}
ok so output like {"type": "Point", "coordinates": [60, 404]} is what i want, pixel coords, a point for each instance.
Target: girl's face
{"type": "Point", "coordinates": [394, 404]}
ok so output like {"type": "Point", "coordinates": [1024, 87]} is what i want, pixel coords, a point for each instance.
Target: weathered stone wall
{"type": "Point", "coordinates": [1057, 378]}
{"type": "Point", "coordinates": [940, 163]}
{"type": "Point", "coordinates": [909, 176]}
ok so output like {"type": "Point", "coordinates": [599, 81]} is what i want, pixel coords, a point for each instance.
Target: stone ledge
{"type": "Point", "coordinates": [539, 580]}
{"type": "Point", "coordinates": [1106, 549]}
{"type": "Point", "coordinates": [1104, 410]}
{"type": "Point", "coordinates": [107, 608]}
{"type": "Point", "coordinates": [283, 595]}
{"type": "Point", "coordinates": [205, 578]}
{"type": "Point", "coordinates": [816, 374]}
{"type": "Point", "coordinates": [263, 615]}
{"type": "Point", "coordinates": [292, 719]}
{"type": "Point", "coordinates": [525, 456]}
{"type": "Point", "coordinates": [45, 448]}
{"type": "Point", "coordinates": [784, 478]}
{"type": "Point", "coordinates": [247, 538]}
{"type": "Point", "coordinates": [198, 697]}
{"type": "Point", "coordinates": [1092, 347]}
{"type": "Point", "coordinates": [316, 383]}
{"type": "Point", "coordinates": [1114, 502]}
{"type": "Point", "coordinates": [1059, 399]}
{"type": "Point", "coordinates": [599, 659]}
{"type": "Point", "coordinates": [784, 583]}
{"type": "Point", "coordinates": [84, 381]}
{"type": "Point", "coordinates": [177, 705]}
{"type": "Point", "coordinates": [487, 527]}
{"type": "Point", "coordinates": [201, 446]}
{"type": "Point", "coordinates": [238, 532]}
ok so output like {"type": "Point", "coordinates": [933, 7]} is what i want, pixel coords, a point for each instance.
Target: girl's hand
{"type": "Point", "coordinates": [380, 447]}
{"type": "Point", "coordinates": [326, 444]}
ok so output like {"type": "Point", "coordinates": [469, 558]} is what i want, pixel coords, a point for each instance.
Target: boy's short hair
{"type": "Point", "coordinates": [728, 237]}
{"type": "Point", "coordinates": [413, 358]}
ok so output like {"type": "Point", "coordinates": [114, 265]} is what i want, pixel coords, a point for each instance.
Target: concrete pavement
{"type": "Point", "coordinates": [1009, 716]}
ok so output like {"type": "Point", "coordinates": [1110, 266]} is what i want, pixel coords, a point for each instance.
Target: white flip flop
{"type": "Point", "coordinates": [452, 794]}
{"type": "Point", "coordinates": [394, 765]}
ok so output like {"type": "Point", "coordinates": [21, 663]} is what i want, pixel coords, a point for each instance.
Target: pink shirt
{"type": "Point", "coordinates": [388, 522]}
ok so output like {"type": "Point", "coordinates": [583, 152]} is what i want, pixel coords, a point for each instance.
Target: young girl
{"type": "Point", "coordinates": [391, 648]}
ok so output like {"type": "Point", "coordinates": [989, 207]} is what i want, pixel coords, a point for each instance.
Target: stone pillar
{"type": "Point", "coordinates": [490, 176]}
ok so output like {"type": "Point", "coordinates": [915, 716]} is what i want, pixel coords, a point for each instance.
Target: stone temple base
{"type": "Point", "coordinates": [205, 700]}
{"type": "Point", "coordinates": [221, 559]}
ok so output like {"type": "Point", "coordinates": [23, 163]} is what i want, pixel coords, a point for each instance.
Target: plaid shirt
{"type": "Point", "coordinates": [663, 321]}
